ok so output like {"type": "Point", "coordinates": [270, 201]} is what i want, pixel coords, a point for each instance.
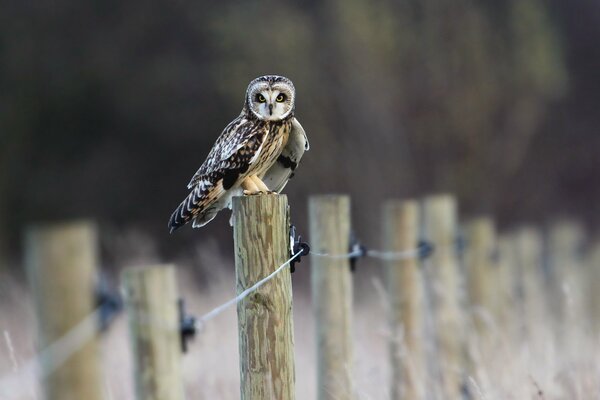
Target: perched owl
{"type": "Point", "coordinates": [256, 153]}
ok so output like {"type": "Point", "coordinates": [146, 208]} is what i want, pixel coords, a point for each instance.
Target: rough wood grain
{"type": "Point", "coordinates": [266, 340]}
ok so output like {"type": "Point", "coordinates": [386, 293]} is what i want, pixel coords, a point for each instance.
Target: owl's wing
{"type": "Point", "coordinates": [231, 156]}
{"type": "Point", "coordinates": [234, 137]}
{"type": "Point", "coordinates": [278, 175]}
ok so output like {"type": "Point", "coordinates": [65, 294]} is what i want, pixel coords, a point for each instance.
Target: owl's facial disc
{"type": "Point", "coordinates": [271, 102]}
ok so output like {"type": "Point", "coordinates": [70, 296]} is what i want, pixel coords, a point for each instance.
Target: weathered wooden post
{"type": "Point", "coordinates": [483, 276]}
{"type": "Point", "coordinates": [565, 242]}
{"type": "Point", "coordinates": [406, 295]}
{"type": "Point", "coordinates": [61, 265]}
{"type": "Point", "coordinates": [509, 284]}
{"type": "Point", "coordinates": [593, 265]}
{"type": "Point", "coordinates": [266, 334]}
{"type": "Point", "coordinates": [529, 253]}
{"type": "Point", "coordinates": [331, 283]}
{"type": "Point", "coordinates": [151, 303]}
{"type": "Point", "coordinates": [440, 227]}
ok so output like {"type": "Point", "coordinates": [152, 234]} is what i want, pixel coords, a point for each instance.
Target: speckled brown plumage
{"type": "Point", "coordinates": [248, 146]}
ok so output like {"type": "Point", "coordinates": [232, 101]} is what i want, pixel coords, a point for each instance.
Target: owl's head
{"type": "Point", "coordinates": [271, 97]}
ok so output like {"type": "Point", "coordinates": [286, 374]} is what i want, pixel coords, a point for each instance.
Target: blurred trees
{"type": "Point", "coordinates": [108, 108]}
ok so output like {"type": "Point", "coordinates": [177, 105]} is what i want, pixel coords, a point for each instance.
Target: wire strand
{"type": "Point", "coordinates": [352, 254]}
{"type": "Point", "coordinates": [382, 255]}
{"type": "Point", "coordinates": [56, 354]}
{"type": "Point", "coordinates": [218, 310]}
{"type": "Point", "coordinates": [395, 255]}
{"type": "Point", "coordinates": [53, 356]}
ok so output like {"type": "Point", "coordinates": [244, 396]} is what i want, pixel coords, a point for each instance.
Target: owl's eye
{"type": "Point", "coordinates": [280, 98]}
{"type": "Point", "coordinates": [260, 98]}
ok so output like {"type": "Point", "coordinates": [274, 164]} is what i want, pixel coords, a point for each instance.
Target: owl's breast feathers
{"type": "Point", "coordinates": [247, 146]}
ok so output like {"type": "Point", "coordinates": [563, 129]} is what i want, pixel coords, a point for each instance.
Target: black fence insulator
{"type": "Point", "coordinates": [187, 326]}
{"type": "Point", "coordinates": [297, 245]}
{"type": "Point", "coordinates": [426, 249]}
{"type": "Point", "coordinates": [357, 250]}
{"type": "Point", "coordinates": [109, 302]}
{"type": "Point", "coordinates": [460, 244]}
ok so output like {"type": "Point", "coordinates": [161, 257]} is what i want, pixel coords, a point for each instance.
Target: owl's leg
{"type": "Point", "coordinates": [260, 184]}
{"type": "Point", "coordinates": [250, 186]}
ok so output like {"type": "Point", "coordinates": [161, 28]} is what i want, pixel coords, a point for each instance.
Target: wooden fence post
{"type": "Point", "coordinates": [61, 265]}
{"type": "Point", "coordinates": [565, 242]}
{"type": "Point", "coordinates": [151, 303]}
{"type": "Point", "coordinates": [593, 265]}
{"type": "Point", "coordinates": [266, 334]}
{"type": "Point", "coordinates": [529, 253]}
{"type": "Point", "coordinates": [483, 276]}
{"type": "Point", "coordinates": [509, 287]}
{"type": "Point", "coordinates": [405, 291]}
{"type": "Point", "coordinates": [440, 227]}
{"type": "Point", "coordinates": [331, 283]}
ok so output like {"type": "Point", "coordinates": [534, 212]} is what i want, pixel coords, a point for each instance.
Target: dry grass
{"type": "Point", "coordinates": [512, 365]}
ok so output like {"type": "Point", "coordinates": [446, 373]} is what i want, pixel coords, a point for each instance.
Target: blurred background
{"type": "Point", "coordinates": [108, 108]}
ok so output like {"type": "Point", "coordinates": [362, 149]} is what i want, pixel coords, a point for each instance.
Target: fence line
{"type": "Point", "coordinates": [378, 254]}
{"type": "Point", "coordinates": [391, 255]}
{"type": "Point", "coordinates": [57, 353]}
{"type": "Point", "coordinates": [219, 309]}
{"type": "Point", "coordinates": [72, 341]}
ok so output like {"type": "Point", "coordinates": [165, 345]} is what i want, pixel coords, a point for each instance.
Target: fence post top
{"type": "Point", "coordinates": [330, 197]}
{"type": "Point", "coordinates": [46, 228]}
{"type": "Point", "coordinates": [237, 200]}
{"type": "Point", "coordinates": [393, 204]}
{"type": "Point", "coordinates": [441, 197]}
{"type": "Point", "coordinates": [140, 269]}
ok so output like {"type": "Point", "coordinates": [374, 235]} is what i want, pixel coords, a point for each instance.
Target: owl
{"type": "Point", "coordinates": [256, 153]}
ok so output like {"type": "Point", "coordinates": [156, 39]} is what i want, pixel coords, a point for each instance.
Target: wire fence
{"type": "Point", "coordinates": [218, 310]}
{"type": "Point", "coordinates": [17, 383]}
{"type": "Point", "coordinates": [56, 354]}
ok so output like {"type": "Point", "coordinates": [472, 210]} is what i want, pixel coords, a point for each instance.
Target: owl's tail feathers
{"type": "Point", "coordinates": [201, 206]}
{"type": "Point", "coordinates": [187, 210]}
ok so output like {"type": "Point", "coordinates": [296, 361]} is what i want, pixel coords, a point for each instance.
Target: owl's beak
{"type": "Point", "coordinates": [270, 109]}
